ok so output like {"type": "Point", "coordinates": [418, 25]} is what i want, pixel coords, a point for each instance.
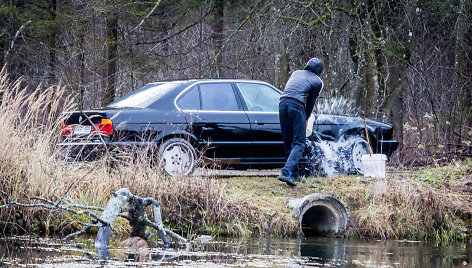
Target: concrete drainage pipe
{"type": "Point", "coordinates": [320, 215]}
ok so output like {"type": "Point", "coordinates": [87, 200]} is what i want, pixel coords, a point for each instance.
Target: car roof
{"type": "Point", "coordinates": [170, 97]}
{"type": "Point", "coordinates": [229, 80]}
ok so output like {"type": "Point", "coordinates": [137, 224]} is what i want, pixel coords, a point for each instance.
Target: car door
{"type": "Point", "coordinates": [217, 119]}
{"type": "Point", "coordinates": [261, 103]}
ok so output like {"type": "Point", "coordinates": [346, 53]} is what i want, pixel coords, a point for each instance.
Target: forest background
{"type": "Point", "coordinates": [407, 62]}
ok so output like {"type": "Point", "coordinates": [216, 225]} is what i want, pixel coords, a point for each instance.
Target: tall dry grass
{"type": "Point", "coordinates": [397, 209]}
{"type": "Point", "coordinates": [30, 121]}
{"type": "Point", "coordinates": [31, 166]}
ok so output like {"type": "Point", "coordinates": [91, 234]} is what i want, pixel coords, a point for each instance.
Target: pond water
{"type": "Point", "coordinates": [230, 252]}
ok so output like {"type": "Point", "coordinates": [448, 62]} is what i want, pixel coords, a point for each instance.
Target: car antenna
{"type": "Point", "coordinates": [367, 134]}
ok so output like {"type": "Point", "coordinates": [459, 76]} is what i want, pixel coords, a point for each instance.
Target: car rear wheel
{"type": "Point", "coordinates": [177, 157]}
{"type": "Point", "coordinates": [358, 148]}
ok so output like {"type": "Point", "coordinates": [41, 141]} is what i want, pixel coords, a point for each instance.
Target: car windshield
{"type": "Point", "coordinates": [146, 95]}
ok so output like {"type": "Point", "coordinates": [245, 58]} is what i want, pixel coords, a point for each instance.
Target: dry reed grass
{"type": "Point", "coordinates": [404, 209]}
{"type": "Point", "coordinates": [29, 120]}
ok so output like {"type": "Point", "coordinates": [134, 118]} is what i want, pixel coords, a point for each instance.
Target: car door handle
{"type": "Point", "coordinates": [206, 125]}
{"type": "Point", "coordinates": [200, 123]}
{"type": "Point", "coordinates": [259, 123]}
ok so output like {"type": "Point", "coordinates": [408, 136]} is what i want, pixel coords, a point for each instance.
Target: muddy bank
{"type": "Point", "coordinates": [427, 203]}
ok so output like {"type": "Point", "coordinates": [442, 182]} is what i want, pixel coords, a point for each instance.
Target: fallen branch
{"type": "Point", "coordinates": [149, 14]}
{"type": "Point", "coordinates": [52, 206]}
{"type": "Point", "coordinates": [14, 39]}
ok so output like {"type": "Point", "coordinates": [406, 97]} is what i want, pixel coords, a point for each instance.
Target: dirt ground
{"type": "Point", "coordinates": [237, 173]}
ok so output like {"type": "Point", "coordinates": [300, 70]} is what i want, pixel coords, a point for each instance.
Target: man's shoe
{"type": "Point", "coordinates": [287, 180]}
{"type": "Point", "coordinates": [297, 178]}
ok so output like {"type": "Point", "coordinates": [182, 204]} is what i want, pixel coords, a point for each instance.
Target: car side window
{"type": "Point", "coordinates": [218, 97]}
{"type": "Point", "coordinates": [259, 97]}
{"type": "Point", "coordinates": [191, 100]}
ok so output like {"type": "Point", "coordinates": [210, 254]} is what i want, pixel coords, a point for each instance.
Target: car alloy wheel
{"type": "Point", "coordinates": [177, 157]}
{"type": "Point", "coordinates": [359, 148]}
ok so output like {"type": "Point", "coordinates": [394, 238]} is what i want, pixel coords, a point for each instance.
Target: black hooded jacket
{"type": "Point", "coordinates": [305, 85]}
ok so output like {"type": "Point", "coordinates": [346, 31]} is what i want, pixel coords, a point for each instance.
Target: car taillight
{"type": "Point", "coordinates": [105, 127]}
{"type": "Point", "coordinates": [66, 129]}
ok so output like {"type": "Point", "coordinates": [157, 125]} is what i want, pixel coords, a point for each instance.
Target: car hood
{"type": "Point", "coordinates": [326, 119]}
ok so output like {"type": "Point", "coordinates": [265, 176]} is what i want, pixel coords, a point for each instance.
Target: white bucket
{"type": "Point", "coordinates": [309, 125]}
{"type": "Point", "coordinates": [374, 166]}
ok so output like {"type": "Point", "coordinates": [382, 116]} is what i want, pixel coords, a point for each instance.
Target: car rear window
{"type": "Point", "coordinates": [191, 100]}
{"type": "Point", "coordinates": [146, 95]}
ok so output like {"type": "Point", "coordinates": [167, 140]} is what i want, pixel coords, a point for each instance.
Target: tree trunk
{"type": "Point", "coordinates": [217, 33]}
{"type": "Point", "coordinates": [81, 64]}
{"type": "Point", "coordinates": [282, 70]}
{"type": "Point", "coordinates": [395, 98]}
{"type": "Point", "coordinates": [372, 72]}
{"type": "Point", "coordinates": [464, 94]}
{"type": "Point", "coordinates": [52, 44]}
{"type": "Point", "coordinates": [111, 56]}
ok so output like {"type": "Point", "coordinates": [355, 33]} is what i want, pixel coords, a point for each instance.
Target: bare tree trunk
{"type": "Point", "coordinates": [371, 74]}
{"type": "Point", "coordinates": [464, 94]}
{"type": "Point", "coordinates": [395, 105]}
{"type": "Point", "coordinates": [81, 63]}
{"type": "Point", "coordinates": [341, 74]}
{"type": "Point", "coordinates": [395, 98]}
{"type": "Point", "coordinates": [282, 70]}
{"type": "Point", "coordinates": [363, 89]}
{"type": "Point", "coordinates": [52, 44]}
{"type": "Point", "coordinates": [111, 57]}
{"type": "Point", "coordinates": [217, 33]}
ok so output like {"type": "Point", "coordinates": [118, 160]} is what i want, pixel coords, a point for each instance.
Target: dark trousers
{"type": "Point", "coordinates": [293, 127]}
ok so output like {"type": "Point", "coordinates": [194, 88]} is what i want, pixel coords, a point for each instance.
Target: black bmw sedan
{"type": "Point", "coordinates": [229, 122]}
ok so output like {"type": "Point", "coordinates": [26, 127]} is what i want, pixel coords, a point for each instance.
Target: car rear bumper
{"type": "Point", "coordinates": [109, 143]}
{"type": "Point", "coordinates": [92, 149]}
{"type": "Point", "coordinates": [386, 146]}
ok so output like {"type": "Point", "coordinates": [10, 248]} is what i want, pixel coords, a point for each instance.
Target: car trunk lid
{"type": "Point", "coordinates": [87, 123]}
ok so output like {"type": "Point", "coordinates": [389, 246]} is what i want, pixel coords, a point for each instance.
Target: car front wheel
{"type": "Point", "coordinates": [177, 157]}
{"type": "Point", "coordinates": [357, 148]}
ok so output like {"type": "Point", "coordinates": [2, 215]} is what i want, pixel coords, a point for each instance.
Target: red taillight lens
{"type": "Point", "coordinates": [105, 127]}
{"type": "Point", "coordinates": [66, 129]}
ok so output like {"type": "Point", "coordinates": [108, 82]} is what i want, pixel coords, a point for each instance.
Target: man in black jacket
{"type": "Point", "coordinates": [295, 107]}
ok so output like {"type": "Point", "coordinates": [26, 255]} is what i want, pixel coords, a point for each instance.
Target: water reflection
{"type": "Point", "coordinates": [340, 253]}
{"type": "Point", "coordinates": [260, 252]}
{"type": "Point", "coordinates": [323, 250]}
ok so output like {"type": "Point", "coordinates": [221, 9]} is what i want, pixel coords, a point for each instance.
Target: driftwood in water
{"type": "Point", "coordinates": [121, 200]}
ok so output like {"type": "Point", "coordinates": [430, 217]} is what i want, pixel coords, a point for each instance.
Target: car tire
{"type": "Point", "coordinates": [356, 148]}
{"type": "Point", "coordinates": [177, 157]}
